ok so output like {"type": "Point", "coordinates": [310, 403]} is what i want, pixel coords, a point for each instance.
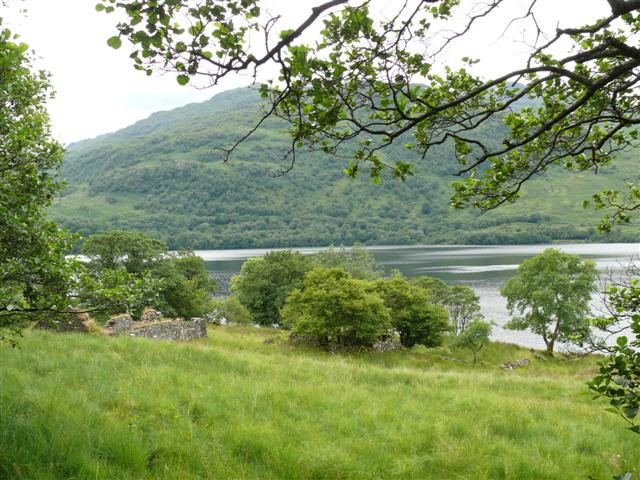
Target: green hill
{"type": "Point", "coordinates": [164, 176]}
{"type": "Point", "coordinates": [232, 407]}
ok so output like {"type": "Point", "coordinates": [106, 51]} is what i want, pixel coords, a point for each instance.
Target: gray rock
{"type": "Point", "coordinates": [387, 345]}
{"type": "Point", "coordinates": [517, 364]}
{"type": "Point", "coordinates": [118, 324]}
{"type": "Point", "coordinates": [150, 315]}
{"type": "Point", "coordinates": [171, 330]}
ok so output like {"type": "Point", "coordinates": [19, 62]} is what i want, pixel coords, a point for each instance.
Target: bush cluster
{"type": "Point", "coordinates": [337, 298]}
{"type": "Point", "coordinates": [181, 283]}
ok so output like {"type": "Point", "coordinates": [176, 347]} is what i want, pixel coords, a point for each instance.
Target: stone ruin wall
{"type": "Point", "coordinates": [153, 326]}
{"type": "Point", "coordinates": [171, 330]}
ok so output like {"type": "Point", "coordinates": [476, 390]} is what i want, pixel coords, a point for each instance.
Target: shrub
{"type": "Point", "coordinates": [188, 286]}
{"type": "Point", "coordinates": [474, 337]}
{"type": "Point", "coordinates": [233, 311]}
{"type": "Point", "coordinates": [416, 320]}
{"type": "Point", "coordinates": [333, 308]}
{"type": "Point", "coordinates": [438, 290]}
{"type": "Point", "coordinates": [264, 283]}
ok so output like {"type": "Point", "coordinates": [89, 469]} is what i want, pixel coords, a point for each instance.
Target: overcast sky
{"type": "Point", "coordinates": [98, 91]}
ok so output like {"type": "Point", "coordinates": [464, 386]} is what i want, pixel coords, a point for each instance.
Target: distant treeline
{"type": "Point", "coordinates": [163, 176]}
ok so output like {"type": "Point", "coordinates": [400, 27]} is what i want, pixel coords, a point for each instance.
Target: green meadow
{"type": "Point", "coordinates": [233, 407]}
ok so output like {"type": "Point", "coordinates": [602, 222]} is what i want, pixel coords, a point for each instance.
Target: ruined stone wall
{"type": "Point", "coordinates": [172, 330]}
{"type": "Point", "coordinates": [68, 322]}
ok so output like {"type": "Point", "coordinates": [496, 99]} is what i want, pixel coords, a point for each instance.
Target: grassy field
{"type": "Point", "coordinates": [232, 407]}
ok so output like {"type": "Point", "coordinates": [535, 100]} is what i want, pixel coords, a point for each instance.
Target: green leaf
{"type": "Point", "coordinates": [114, 42]}
{"type": "Point", "coordinates": [631, 412]}
{"type": "Point", "coordinates": [182, 79]}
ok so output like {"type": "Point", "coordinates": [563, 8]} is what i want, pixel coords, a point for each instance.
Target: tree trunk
{"type": "Point", "coordinates": [550, 344]}
{"type": "Point", "coordinates": [474, 357]}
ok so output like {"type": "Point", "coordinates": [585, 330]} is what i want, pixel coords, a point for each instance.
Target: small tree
{"type": "Point", "coordinates": [416, 320]}
{"type": "Point", "coordinates": [334, 308]}
{"type": "Point", "coordinates": [37, 278]}
{"type": "Point", "coordinates": [234, 312]}
{"type": "Point", "coordinates": [264, 283]}
{"type": "Point", "coordinates": [358, 261]}
{"type": "Point", "coordinates": [551, 291]}
{"type": "Point", "coordinates": [438, 290]}
{"type": "Point", "coordinates": [462, 303]}
{"type": "Point", "coordinates": [474, 337]}
{"type": "Point", "coordinates": [132, 250]}
{"type": "Point", "coordinates": [188, 288]}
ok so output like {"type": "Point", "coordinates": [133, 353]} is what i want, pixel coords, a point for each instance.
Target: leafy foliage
{"type": "Point", "coordinates": [188, 288]}
{"type": "Point", "coordinates": [357, 261]}
{"type": "Point", "coordinates": [618, 378]}
{"type": "Point", "coordinates": [134, 251]}
{"type": "Point", "coordinates": [417, 321]}
{"type": "Point", "coordinates": [552, 292]}
{"type": "Point", "coordinates": [182, 283]}
{"type": "Point", "coordinates": [264, 283]}
{"type": "Point", "coordinates": [36, 277]}
{"type": "Point", "coordinates": [334, 308]}
{"type": "Point", "coordinates": [437, 289]}
{"type": "Point", "coordinates": [162, 176]}
{"type": "Point", "coordinates": [460, 301]}
{"type": "Point", "coordinates": [463, 306]}
{"type": "Point", "coordinates": [474, 337]}
{"type": "Point", "coordinates": [231, 310]}
{"type": "Point", "coordinates": [366, 85]}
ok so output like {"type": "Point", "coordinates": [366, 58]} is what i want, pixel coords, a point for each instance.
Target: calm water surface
{"type": "Point", "coordinates": [485, 268]}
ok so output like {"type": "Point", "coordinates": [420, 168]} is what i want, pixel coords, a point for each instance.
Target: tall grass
{"type": "Point", "coordinates": [231, 407]}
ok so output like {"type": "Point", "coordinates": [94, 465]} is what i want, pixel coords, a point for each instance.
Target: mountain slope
{"type": "Point", "coordinates": [163, 175]}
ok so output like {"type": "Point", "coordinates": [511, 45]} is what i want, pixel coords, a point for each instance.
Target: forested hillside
{"type": "Point", "coordinates": [164, 176]}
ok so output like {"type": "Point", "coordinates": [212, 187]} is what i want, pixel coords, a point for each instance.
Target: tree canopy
{"type": "Point", "coordinates": [413, 316]}
{"type": "Point", "coordinates": [336, 309]}
{"type": "Point", "coordinates": [474, 337]}
{"type": "Point", "coordinates": [36, 277]}
{"type": "Point", "coordinates": [132, 250]}
{"type": "Point", "coordinates": [264, 283]}
{"type": "Point", "coordinates": [551, 292]}
{"type": "Point", "coordinates": [463, 306]}
{"type": "Point", "coordinates": [377, 82]}
{"type": "Point", "coordinates": [182, 283]}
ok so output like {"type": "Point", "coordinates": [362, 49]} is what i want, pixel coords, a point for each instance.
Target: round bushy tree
{"type": "Point", "coordinates": [188, 288]}
{"type": "Point", "coordinates": [264, 283]}
{"type": "Point", "coordinates": [438, 290]}
{"type": "Point", "coordinates": [417, 321]}
{"type": "Point", "coordinates": [552, 292]}
{"type": "Point", "coordinates": [333, 308]}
